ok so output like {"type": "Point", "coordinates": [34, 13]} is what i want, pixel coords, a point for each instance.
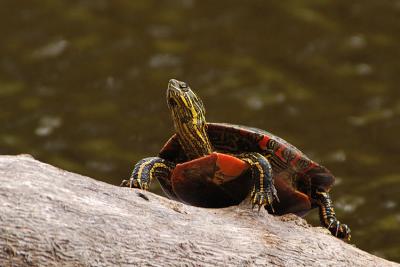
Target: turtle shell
{"type": "Point", "coordinates": [194, 181]}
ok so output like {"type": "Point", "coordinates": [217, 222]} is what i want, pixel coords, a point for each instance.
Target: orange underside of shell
{"type": "Point", "coordinates": [230, 166]}
{"type": "Point", "coordinates": [221, 180]}
{"type": "Point", "coordinates": [216, 167]}
{"type": "Point", "coordinates": [205, 181]}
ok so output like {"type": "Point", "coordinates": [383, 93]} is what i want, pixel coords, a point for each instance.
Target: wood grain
{"type": "Point", "coordinates": [51, 217]}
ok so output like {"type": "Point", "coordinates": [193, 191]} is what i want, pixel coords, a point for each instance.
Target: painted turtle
{"type": "Point", "coordinates": [219, 164]}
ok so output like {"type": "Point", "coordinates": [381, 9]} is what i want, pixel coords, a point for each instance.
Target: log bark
{"type": "Point", "coordinates": [51, 217]}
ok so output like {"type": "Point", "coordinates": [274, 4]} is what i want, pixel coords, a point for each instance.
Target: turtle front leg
{"type": "Point", "coordinates": [146, 170]}
{"type": "Point", "coordinates": [264, 192]}
{"type": "Point", "coordinates": [328, 217]}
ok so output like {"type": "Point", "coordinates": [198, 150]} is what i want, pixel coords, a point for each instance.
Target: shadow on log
{"type": "Point", "coordinates": [51, 217]}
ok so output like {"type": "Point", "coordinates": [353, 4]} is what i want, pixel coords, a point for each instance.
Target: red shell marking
{"type": "Point", "coordinates": [263, 143]}
{"type": "Point", "coordinates": [294, 157]}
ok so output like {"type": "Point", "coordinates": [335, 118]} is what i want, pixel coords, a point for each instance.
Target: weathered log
{"type": "Point", "coordinates": [51, 217]}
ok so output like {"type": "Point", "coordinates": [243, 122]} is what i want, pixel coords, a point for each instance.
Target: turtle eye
{"type": "Point", "coordinates": [184, 86]}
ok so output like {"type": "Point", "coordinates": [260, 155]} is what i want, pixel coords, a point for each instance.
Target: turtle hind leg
{"type": "Point", "coordinates": [264, 192]}
{"type": "Point", "coordinates": [328, 217]}
{"type": "Point", "coordinates": [146, 170]}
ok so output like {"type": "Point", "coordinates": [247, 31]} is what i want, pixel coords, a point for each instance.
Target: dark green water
{"type": "Point", "coordinates": [82, 86]}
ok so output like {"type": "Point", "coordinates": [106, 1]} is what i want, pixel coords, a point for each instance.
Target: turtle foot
{"type": "Point", "coordinates": [264, 198]}
{"type": "Point", "coordinates": [340, 230]}
{"type": "Point", "coordinates": [134, 183]}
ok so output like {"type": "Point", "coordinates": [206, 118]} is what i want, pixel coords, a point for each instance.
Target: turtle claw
{"type": "Point", "coordinates": [125, 183]}
{"type": "Point", "coordinates": [275, 194]}
{"type": "Point", "coordinates": [135, 183]}
{"type": "Point", "coordinates": [339, 230]}
{"type": "Point", "coordinates": [264, 199]}
{"type": "Point", "coordinates": [144, 186]}
{"type": "Point", "coordinates": [272, 208]}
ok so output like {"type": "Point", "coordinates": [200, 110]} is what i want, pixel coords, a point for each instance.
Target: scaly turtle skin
{"type": "Point", "coordinates": [219, 164]}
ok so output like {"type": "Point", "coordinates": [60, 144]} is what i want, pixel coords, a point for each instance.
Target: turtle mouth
{"type": "Point", "coordinates": [175, 90]}
{"type": "Point", "coordinates": [172, 91]}
{"type": "Point", "coordinates": [172, 94]}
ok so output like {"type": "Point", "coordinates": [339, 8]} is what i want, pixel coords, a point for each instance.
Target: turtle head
{"type": "Point", "coordinates": [188, 114]}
